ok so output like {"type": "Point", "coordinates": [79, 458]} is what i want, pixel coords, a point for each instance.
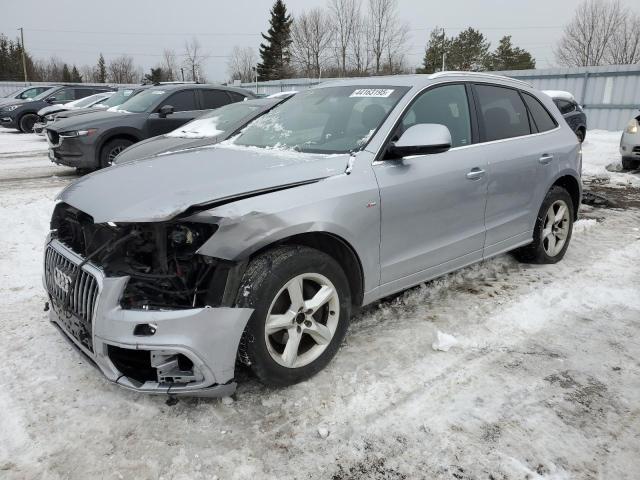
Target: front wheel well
{"type": "Point", "coordinates": [124, 136]}
{"type": "Point", "coordinates": [571, 185]}
{"type": "Point", "coordinates": [337, 248]}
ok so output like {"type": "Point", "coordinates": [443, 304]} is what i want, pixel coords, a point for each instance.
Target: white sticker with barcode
{"type": "Point", "coordinates": [372, 92]}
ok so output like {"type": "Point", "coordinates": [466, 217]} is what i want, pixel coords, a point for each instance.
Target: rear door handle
{"type": "Point", "coordinates": [546, 158]}
{"type": "Point", "coordinates": [475, 174]}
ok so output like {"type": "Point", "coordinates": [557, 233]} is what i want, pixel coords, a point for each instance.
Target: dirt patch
{"type": "Point", "coordinates": [603, 196]}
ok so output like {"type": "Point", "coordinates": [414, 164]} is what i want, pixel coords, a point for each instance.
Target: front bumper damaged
{"type": "Point", "coordinates": [189, 352]}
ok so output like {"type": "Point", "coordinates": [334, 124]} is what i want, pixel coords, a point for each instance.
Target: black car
{"type": "Point", "coordinates": [23, 94]}
{"type": "Point", "coordinates": [571, 111]}
{"type": "Point", "coordinates": [23, 115]}
{"type": "Point", "coordinates": [209, 129]}
{"type": "Point", "coordinates": [93, 140]}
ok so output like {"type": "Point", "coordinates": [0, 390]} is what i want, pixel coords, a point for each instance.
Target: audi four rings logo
{"type": "Point", "coordinates": [61, 279]}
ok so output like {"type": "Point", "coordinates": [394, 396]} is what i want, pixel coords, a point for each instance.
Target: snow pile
{"type": "Point", "coordinates": [584, 224]}
{"type": "Point", "coordinates": [443, 341]}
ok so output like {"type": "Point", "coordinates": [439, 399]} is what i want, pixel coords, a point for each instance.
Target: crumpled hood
{"type": "Point", "coordinates": [162, 144]}
{"type": "Point", "coordinates": [159, 188]}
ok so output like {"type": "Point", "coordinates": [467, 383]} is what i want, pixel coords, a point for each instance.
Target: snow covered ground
{"type": "Point", "coordinates": [541, 379]}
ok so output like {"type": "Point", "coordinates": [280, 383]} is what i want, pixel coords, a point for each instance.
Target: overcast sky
{"type": "Point", "coordinates": [76, 31]}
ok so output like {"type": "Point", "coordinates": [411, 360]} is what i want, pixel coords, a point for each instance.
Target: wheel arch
{"type": "Point", "coordinates": [337, 248]}
{"type": "Point", "coordinates": [572, 185]}
{"type": "Point", "coordinates": [128, 134]}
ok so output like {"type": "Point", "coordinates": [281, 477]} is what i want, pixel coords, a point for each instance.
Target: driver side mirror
{"type": "Point", "coordinates": [421, 139]}
{"type": "Point", "coordinates": [165, 110]}
{"type": "Point", "coordinates": [50, 100]}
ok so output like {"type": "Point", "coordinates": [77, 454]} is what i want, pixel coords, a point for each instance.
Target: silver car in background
{"type": "Point", "coordinates": [630, 145]}
{"type": "Point", "coordinates": [166, 271]}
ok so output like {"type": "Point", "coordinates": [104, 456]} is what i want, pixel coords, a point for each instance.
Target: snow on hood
{"type": "Point", "coordinates": [158, 189]}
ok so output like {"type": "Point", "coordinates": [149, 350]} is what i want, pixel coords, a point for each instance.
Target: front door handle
{"type": "Point", "coordinates": [546, 158]}
{"type": "Point", "coordinates": [475, 174]}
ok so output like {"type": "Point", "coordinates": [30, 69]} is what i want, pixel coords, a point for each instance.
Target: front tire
{"type": "Point", "coordinates": [553, 229]}
{"type": "Point", "coordinates": [27, 121]}
{"type": "Point", "coordinates": [630, 163]}
{"type": "Point", "coordinates": [111, 149]}
{"type": "Point", "coordinates": [302, 304]}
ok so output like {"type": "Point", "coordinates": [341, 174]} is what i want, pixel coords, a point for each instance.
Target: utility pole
{"type": "Point", "coordinates": [182, 71]}
{"type": "Point", "coordinates": [444, 53]}
{"type": "Point", "coordinates": [24, 63]}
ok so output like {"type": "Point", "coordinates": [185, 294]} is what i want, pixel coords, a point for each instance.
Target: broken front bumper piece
{"type": "Point", "coordinates": [177, 352]}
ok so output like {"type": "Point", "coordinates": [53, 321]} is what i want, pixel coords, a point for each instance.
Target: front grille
{"type": "Point", "coordinates": [74, 293]}
{"type": "Point", "coordinates": [53, 137]}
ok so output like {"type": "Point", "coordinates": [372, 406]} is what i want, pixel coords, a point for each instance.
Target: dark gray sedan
{"type": "Point", "coordinates": [209, 129]}
{"type": "Point", "coordinates": [93, 141]}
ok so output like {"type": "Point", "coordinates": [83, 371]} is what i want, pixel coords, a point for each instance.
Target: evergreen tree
{"type": "Point", "coordinates": [469, 51]}
{"type": "Point", "coordinates": [275, 53]}
{"type": "Point", "coordinates": [437, 46]}
{"type": "Point", "coordinates": [508, 57]}
{"type": "Point", "coordinates": [156, 75]}
{"type": "Point", "coordinates": [66, 74]}
{"type": "Point", "coordinates": [75, 75]}
{"type": "Point", "coordinates": [101, 70]}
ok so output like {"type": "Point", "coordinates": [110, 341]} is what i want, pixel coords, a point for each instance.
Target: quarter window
{"type": "Point", "coordinates": [182, 101]}
{"type": "Point", "coordinates": [541, 117]}
{"type": "Point", "coordinates": [565, 106]}
{"type": "Point", "coordinates": [502, 112]}
{"type": "Point", "coordinates": [446, 105]}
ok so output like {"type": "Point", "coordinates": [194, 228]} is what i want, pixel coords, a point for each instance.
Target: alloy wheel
{"type": "Point", "coordinates": [556, 228]}
{"type": "Point", "coordinates": [113, 153]}
{"type": "Point", "coordinates": [302, 320]}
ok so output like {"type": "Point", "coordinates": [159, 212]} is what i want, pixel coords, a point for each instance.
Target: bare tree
{"type": "Point", "coordinates": [344, 17]}
{"type": "Point", "coordinates": [386, 34]}
{"type": "Point", "coordinates": [359, 52]}
{"type": "Point", "coordinates": [588, 36]}
{"type": "Point", "coordinates": [624, 47]}
{"type": "Point", "coordinates": [242, 63]}
{"type": "Point", "coordinates": [169, 64]}
{"type": "Point", "coordinates": [88, 73]}
{"type": "Point", "coordinates": [194, 58]}
{"type": "Point", "coordinates": [122, 70]}
{"type": "Point", "coordinates": [311, 37]}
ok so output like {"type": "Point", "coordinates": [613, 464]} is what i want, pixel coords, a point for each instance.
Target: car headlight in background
{"type": "Point", "coordinates": [632, 127]}
{"type": "Point", "coordinates": [78, 133]}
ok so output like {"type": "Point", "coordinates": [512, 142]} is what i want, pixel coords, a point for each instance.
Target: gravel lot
{"type": "Point", "coordinates": [543, 382]}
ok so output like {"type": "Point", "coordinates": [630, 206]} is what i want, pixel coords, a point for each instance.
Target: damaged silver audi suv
{"type": "Point", "coordinates": [170, 272]}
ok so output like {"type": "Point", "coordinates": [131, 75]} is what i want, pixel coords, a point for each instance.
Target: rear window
{"type": "Point", "coordinates": [503, 113]}
{"type": "Point", "coordinates": [214, 99]}
{"type": "Point", "coordinates": [541, 117]}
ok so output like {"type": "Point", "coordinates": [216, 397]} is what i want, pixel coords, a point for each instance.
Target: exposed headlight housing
{"type": "Point", "coordinates": [49, 118]}
{"type": "Point", "coordinates": [10, 108]}
{"type": "Point", "coordinates": [78, 133]}
{"type": "Point", "coordinates": [633, 126]}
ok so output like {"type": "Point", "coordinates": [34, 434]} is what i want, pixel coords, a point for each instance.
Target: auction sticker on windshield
{"type": "Point", "coordinates": [372, 92]}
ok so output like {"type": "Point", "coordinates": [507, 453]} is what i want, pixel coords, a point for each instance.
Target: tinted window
{"type": "Point", "coordinates": [142, 102]}
{"type": "Point", "coordinates": [237, 97]}
{"type": "Point", "coordinates": [83, 92]}
{"type": "Point", "coordinates": [182, 101]}
{"type": "Point", "coordinates": [541, 117]}
{"type": "Point", "coordinates": [447, 106]}
{"type": "Point", "coordinates": [565, 106]}
{"type": "Point", "coordinates": [502, 112]}
{"type": "Point", "coordinates": [214, 98]}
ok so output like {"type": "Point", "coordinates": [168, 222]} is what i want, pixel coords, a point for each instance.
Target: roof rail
{"type": "Point", "coordinates": [477, 75]}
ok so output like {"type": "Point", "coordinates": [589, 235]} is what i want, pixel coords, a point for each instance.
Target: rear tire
{"type": "Point", "coordinates": [111, 149]}
{"type": "Point", "coordinates": [553, 229]}
{"type": "Point", "coordinates": [630, 163]}
{"type": "Point", "coordinates": [302, 305]}
{"type": "Point", "coordinates": [26, 122]}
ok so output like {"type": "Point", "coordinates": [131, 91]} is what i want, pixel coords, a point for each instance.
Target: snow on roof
{"type": "Point", "coordinates": [559, 94]}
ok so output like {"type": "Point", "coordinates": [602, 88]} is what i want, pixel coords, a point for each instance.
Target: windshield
{"type": "Point", "coordinates": [45, 94]}
{"type": "Point", "coordinates": [324, 120]}
{"type": "Point", "coordinates": [142, 102]}
{"type": "Point", "coordinates": [218, 121]}
{"type": "Point", "coordinates": [118, 98]}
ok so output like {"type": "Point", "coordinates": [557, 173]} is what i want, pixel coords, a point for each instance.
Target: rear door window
{"type": "Point", "coordinates": [541, 117]}
{"type": "Point", "coordinates": [502, 113]}
{"type": "Point", "coordinates": [214, 99]}
{"type": "Point", "coordinates": [182, 101]}
{"type": "Point", "coordinates": [65, 95]}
